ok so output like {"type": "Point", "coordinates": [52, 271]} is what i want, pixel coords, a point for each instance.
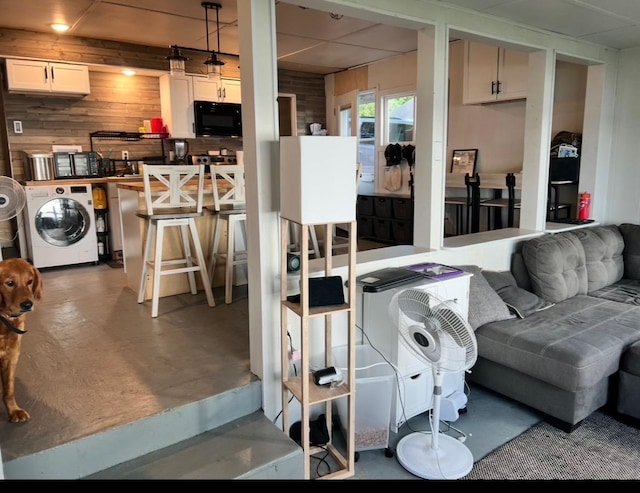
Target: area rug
{"type": "Point", "coordinates": [600, 449]}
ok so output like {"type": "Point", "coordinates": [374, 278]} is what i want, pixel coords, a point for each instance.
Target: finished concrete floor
{"type": "Point", "coordinates": [93, 358]}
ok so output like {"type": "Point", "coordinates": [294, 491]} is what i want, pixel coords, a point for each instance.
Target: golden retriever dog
{"type": "Point", "coordinates": [20, 288]}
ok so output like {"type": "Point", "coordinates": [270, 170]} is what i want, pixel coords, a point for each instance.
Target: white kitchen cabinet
{"type": "Point", "coordinates": [493, 74]}
{"type": "Point", "coordinates": [28, 76]}
{"type": "Point", "coordinates": [176, 105]}
{"type": "Point", "coordinates": [177, 94]}
{"type": "Point", "coordinates": [205, 88]}
{"type": "Point", "coordinates": [414, 393]}
{"type": "Point", "coordinates": [230, 91]}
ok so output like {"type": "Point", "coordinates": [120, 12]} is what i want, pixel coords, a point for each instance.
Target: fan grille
{"type": "Point", "coordinates": [434, 329]}
{"type": "Point", "coordinates": [12, 198]}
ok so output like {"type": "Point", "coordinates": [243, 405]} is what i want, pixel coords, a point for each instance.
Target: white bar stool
{"type": "Point", "coordinates": [229, 206]}
{"type": "Point", "coordinates": [170, 204]}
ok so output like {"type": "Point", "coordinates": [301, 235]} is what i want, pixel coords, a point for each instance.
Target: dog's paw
{"type": "Point", "coordinates": [19, 416]}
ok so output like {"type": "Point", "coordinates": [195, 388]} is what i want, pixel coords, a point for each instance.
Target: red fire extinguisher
{"type": "Point", "coordinates": [583, 206]}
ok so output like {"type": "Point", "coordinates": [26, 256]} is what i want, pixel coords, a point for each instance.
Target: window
{"type": "Point", "coordinates": [399, 117]}
{"type": "Point", "coordinates": [366, 137]}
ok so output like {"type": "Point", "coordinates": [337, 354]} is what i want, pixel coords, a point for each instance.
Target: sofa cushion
{"type": "Point", "coordinates": [603, 247]}
{"type": "Point", "coordinates": [484, 303]}
{"type": "Point", "coordinates": [631, 253]}
{"type": "Point", "coordinates": [556, 265]}
{"type": "Point", "coordinates": [520, 301]}
{"type": "Point", "coordinates": [624, 291]}
{"type": "Point", "coordinates": [572, 345]}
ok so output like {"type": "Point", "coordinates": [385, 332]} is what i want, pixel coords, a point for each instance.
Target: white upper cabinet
{"type": "Point", "coordinates": [230, 91]}
{"type": "Point", "coordinates": [205, 88]}
{"type": "Point", "coordinates": [28, 76]}
{"type": "Point", "coordinates": [176, 105]}
{"type": "Point", "coordinates": [494, 74]}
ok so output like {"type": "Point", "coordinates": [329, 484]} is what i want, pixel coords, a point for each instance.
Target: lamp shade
{"type": "Point", "coordinates": [318, 179]}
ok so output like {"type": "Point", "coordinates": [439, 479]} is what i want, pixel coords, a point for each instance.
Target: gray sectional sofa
{"type": "Point", "coordinates": [560, 332]}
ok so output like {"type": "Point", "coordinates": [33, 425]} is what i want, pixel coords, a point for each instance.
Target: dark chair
{"type": "Point", "coordinates": [473, 192]}
{"type": "Point", "coordinates": [462, 204]}
{"type": "Point", "coordinates": [498, 204]}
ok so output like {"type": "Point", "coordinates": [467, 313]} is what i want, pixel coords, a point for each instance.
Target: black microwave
{"type": "Point", "coordinates": [75, 165]}
{"type": "Point", "coordinates": [217, 119]}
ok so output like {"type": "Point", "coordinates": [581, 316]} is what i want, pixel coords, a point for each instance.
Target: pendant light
{"type": "Point", "coordinates": [212, 63]}
{"type": "Point", "coordinates": [176, 61]}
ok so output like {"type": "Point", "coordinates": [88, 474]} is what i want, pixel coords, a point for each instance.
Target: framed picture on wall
{"type": "Point", "coordinates": [464, 161]}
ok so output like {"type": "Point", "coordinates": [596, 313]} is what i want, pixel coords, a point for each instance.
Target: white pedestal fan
{"type": "Point", "coordinates": [436, 333]}
{"type": "Point", "coordinates": [12, 200]}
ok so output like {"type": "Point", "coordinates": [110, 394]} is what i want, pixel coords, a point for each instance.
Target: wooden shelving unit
{"type": "Point", "coordinates": [302, 386]}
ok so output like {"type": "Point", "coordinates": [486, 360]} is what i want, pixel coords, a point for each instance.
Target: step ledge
{"type": "Point", "coordinates": [100, 451]}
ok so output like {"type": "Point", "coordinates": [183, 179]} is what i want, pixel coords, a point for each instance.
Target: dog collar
{"type": "Point", "coordinates": [10, 326]}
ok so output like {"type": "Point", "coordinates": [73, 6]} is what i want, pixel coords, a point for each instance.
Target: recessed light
{"type": "Point", "coordinates": [129, 72]}
{"type": "Point", "coordinates": [60, 27]}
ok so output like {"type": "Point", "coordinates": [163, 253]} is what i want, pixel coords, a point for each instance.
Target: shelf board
{"type": "Point", "coordinates": [317, 393]}
{"type": "Point", "coordinates": [132, 136]}
{"type": "Point", "coordinates": [318, 310]}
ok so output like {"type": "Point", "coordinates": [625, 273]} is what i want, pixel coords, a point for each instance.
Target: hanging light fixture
{"type": "Point", "coordinates": [212, 63]}
{"type": "Point", "coordinates": [176, 61]}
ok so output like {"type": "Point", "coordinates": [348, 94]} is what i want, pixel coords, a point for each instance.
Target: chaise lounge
{"type": "Point", "coordinates": [560, 332]}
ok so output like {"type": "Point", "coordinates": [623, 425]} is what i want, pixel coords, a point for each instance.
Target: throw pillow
{"type": "Point", "coordinates": [631, 252]}
{"type": "Point", "coordinates": [520, 301]}
{"type": "Point", "coordinates": [484, 303]}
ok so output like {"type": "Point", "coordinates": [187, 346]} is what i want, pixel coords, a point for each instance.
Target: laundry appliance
{"type": "Point", "coordinates": [61, 226]}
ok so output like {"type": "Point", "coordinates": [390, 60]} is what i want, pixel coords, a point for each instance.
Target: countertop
{"type": "Point", "coordinates": [82, 181]}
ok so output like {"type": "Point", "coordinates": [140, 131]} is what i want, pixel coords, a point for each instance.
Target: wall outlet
{"type": "Point", "coordinates": [17, 126]}
{"type": "Point", "coordinates": [125, 155]}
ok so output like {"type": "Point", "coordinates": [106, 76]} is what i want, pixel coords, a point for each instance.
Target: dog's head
{"type": "Point", "coordinates": [20, 287]}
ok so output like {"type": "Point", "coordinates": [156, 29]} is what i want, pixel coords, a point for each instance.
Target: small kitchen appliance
{"type": "Point", "coordinates": [38, 165]}
{"type": "Point", "coordinates": [181, 148]}
{"type": "Point", "coordinates": [75, 165]}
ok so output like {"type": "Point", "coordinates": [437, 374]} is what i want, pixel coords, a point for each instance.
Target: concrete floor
{"type": "Point", "coordinates": [93, 358]}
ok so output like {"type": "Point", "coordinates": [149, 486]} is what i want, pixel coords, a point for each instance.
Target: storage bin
{"type": "Point", "coordinates": [365, 205]}
{"type": "Point", "coordinates": [382, 207]}
{"type": "Point", "coordinates": [374, 389]}
{"type": "Point", "coordinates": [403, 209]}
{"type": "Point", "coordinates": [382, 229]}
{"type": "Point", "coordinates": [402, 232]}
{"type": "Point", "coordinates": [365, 227]}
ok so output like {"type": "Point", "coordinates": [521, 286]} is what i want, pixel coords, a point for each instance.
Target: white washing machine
{"type": "Point", "coordinates": [61, 226]}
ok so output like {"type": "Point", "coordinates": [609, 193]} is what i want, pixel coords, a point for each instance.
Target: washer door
{"type": "Point", "coordinates": [62, 222]}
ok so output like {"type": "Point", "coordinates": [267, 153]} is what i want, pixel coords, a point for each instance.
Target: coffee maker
{"type": "Point", "coordinates": [180, 152]}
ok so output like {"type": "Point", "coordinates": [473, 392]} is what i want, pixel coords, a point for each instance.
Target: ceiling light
{"type": "Point", "coordinates": [128, 72]}
{"type": "Point", "coordinates": [212, 63]}
{"type": "Point", "coordinates": [60, 27]}
{"type": "Point", "coordinates": [176, 61]}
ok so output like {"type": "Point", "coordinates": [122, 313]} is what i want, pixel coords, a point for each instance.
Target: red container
{"type": "Point", "coordinates": [583, 206]}
{"type": "Point", "coordinates": [156, 125]}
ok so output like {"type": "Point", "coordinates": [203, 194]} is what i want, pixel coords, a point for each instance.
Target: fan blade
{"type": "Point", "coordinates": [414, 303]}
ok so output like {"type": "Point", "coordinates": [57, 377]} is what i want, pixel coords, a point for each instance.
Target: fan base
{"type": "Point", "coordinates": [452, 459]}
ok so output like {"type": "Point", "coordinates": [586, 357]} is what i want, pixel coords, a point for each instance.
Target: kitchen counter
{"type": "Point", "coordinates": [83, 181]}
{"type": "Point", "coordinates": [131, 199]}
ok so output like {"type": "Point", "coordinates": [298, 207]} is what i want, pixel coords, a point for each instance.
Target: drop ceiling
{"type": "Point", "coordinates": [308, 40]}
